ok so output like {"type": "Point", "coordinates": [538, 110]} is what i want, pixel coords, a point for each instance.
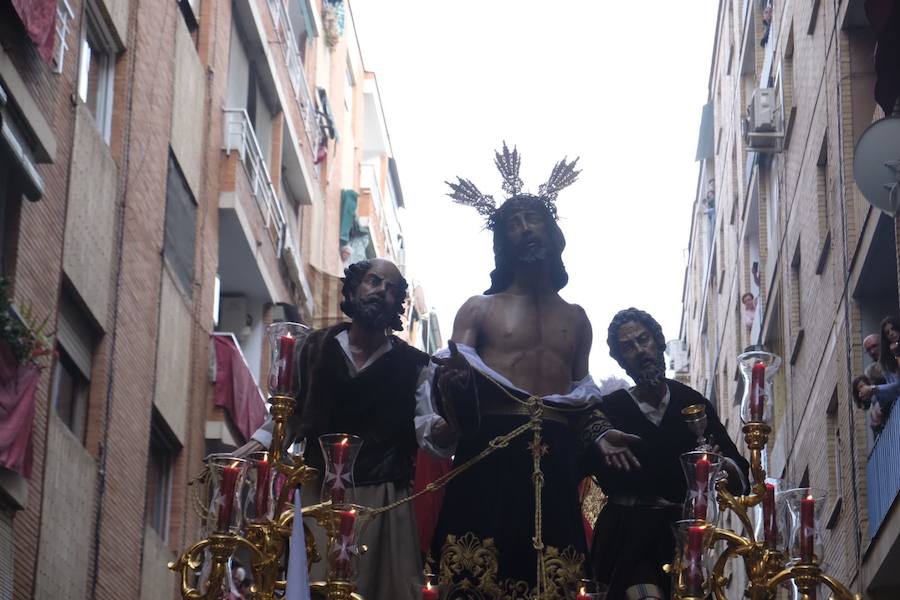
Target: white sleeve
{"type": "Point", "coordinates": [426, 415]}
{"type": "Point", "coordinates": [263, 435]}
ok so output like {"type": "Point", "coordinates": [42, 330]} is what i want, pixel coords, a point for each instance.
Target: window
{"type": "Point", "coordinates": [160, 463]}
{"type": "Point", "coordinates": [813, 17]}
{"type": "Point", "coordinates": [180, 228]}
{"type": "Point", "coordinates": [823, 204]}
{"type": "Point", "coordinates": [96, 71]}
{"type": "Point", "coordinates": [10, 203]}
{"type": "Point", "coordinates": [835, 456]}
{"type": "Point", "coordinates": [72, 373]}
{"type": "Point", "coordinates": [190, 10]}
{"type": "Point", "coordinates": [785, 84]}
{"type": "Point", "coordinates": [796, 303]}
{"type": "Point", "coordinates": [348, 90]}
{"type": "Point", "coordinates": [70, 394]}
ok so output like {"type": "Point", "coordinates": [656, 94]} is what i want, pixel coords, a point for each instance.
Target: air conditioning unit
{"type": "Point", "coordinates": [762, 111]}
{"type": "Point", "coordinates": [763, 127]}
{"type": "Point", "coordinates": [233, 314]}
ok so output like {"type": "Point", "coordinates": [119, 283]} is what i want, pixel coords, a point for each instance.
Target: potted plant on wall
{"type": "Point", "coordinates": [24, 349]}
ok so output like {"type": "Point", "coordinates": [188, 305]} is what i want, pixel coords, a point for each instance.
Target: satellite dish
{"type": "Point", "coordinates": [876, 164]}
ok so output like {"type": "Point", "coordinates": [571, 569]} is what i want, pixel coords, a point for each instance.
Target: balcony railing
{"type": "Point", "coordinates": [240, 137]}
{"type": "Point", "coordinates": [288, 40]}
{"type": "Point", "coordinates": [883, 471]}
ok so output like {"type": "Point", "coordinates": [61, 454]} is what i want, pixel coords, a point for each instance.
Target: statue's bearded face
{"type": "Point", "coordinates": [642, 357]}
{"type": "Point", "coordinates": [526, 231]}
{"type": "Point", "coordinates": [373, 301]}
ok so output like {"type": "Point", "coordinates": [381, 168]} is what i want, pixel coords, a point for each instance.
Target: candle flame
{"type": "Point", "coordinates": [809, 497]}
{"type": "Point", "coordinates": [582, 591]}
{"type": "Point", "coordinates": [428, 585]}
{"type": "Point", "coordinates": [704, 457]}
{"type": "Point", "coordinates": [235, 464]}
{"type": "Point", "coordinates": [345, 441]}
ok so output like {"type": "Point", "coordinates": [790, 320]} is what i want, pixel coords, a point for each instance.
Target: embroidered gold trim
{"type": "Point", "coordinates": [468, 569]}
{"type": "Point", "coordinates": [592, 501]}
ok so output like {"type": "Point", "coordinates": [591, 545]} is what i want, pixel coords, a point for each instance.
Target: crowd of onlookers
{"type": "Point", "coordinates": [877, 389]}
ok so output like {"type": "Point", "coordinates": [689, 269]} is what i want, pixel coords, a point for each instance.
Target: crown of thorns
{"type": "Point", "coordinates": [508, 163]}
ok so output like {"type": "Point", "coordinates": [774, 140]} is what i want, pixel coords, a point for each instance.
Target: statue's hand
{"type": "Point", "coordinates": [452, 372]}
{"type": "Point", "coordinates": [614, 448]}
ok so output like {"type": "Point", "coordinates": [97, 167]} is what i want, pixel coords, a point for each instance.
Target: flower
{"type": "Point", "coordinates": [26, 337]}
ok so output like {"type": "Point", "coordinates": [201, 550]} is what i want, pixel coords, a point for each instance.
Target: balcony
{"type": "Point", "coordinates": [883, 472]}
{"type": "Point", "coordinates": [240, 137]}
{"type": "Point", "coordinates": [292, 57]}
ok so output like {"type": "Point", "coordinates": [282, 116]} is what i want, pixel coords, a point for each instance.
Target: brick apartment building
{"type": "Point", "coordinates": [172, 174]}
{"type": "Point", "coordinates": [826, 262]}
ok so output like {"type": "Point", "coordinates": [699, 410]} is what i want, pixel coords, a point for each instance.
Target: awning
{"type": "Point", "coordinates": [236, 391]}
{"type": "Point", "coordinates": [706, 143]}
{"type": "Point", "coordinates": [39, 18]}
{"type": "Point", "coordinates": [349, 201]}
{"type": "Point", "coordinates": [325, 112]}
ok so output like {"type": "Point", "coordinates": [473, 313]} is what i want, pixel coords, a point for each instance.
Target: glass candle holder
{"type": "Point", "coordinates": [701, 470]}
{"type": "Point", "coordinates": [430, 591]}
{"type": "Point", "coordinates": [226, 479]}
{"type": "Point", "coordinates": [806, 506]}
{"type": "Point", "coordinates": [339, 450]}
{"type": "Point", "coordinates": [771, 518]}
{"type": "Point", "coordinates": [696, 420]}
{"type": "Point", "coordinates": [285, 339]}
{"type": "Point", "coordinates": [691, 571]}
{"type": "Point", "coordinates": [758, 369]}
{"type": "Point", "coordinates": [588, 589]}
{"type": "Point", "coordinates": [344, 548]}
{"type": "Point", "coordinates": [259, 506]}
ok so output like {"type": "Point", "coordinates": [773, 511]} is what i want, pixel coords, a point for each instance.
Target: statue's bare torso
{"type": "Point", "coordinates": [538, 341]}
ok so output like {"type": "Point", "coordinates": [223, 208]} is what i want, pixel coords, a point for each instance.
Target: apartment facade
{"type": "Point", "coordinates": [779, 222]}
{"type": "Point", "coordinates": [174, 177]}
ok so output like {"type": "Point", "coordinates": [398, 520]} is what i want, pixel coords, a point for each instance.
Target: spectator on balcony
{"type": "Point", "coordinates": [872, 346]}
{"type": "Point", "coordinates": [767, 24]}
{"type": "Point", "coordinates": [358, 379]}
{"type": "Point", "coordinates": [748, 303]}
{"type": "Point", "coordinates": [874, 415]}
{"type": "Point", "coordinates": [889, 349]}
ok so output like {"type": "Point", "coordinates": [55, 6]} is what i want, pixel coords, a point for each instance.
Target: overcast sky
{"type": "Point", "coordinates": [620, 84]}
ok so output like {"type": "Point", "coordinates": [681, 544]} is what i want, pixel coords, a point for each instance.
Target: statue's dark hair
{"type": "Point", "coordinates": [504, 257]}
{"type": "Point", "coordinates": [886, 357]}
{"type": "Point", "coordinates": [353, 276]}
{"type": "Point", "coordinates": [632, 314]}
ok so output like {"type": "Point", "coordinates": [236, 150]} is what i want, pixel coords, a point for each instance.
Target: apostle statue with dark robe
{"type": "Point", "coordinates": [519, 340]}
{"type": "Point", "coordinates": [633, 535]}
{"type": "Point", "coordinates": [356, 378]}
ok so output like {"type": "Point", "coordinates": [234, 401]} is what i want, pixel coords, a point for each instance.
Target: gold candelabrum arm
{"type": "Point", "coordinates": [807, 576]}
{"type": "Point", "coordinates": [765, 568]}
{"type": "Point", "coordinates": [756, 436]}
{"type": "Point", "coordinates": [221, 546]}
{"type": "Point", "coordinates": [281, 408]}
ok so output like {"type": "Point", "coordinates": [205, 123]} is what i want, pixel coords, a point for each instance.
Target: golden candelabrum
{"type": "Point", "coordinates": [248, 504]}
{"type": "Point", "coordinates": [773, 554]}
